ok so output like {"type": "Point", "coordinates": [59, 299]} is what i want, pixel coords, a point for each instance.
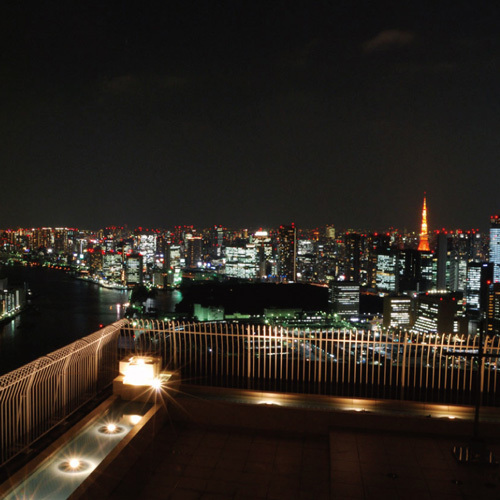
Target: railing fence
{"type": "Point", "coordinates": [40, 395]}
{"type": "Point", "coordinates": [355, 363]}
{"type": "Point", "coordinates": [434, 368]}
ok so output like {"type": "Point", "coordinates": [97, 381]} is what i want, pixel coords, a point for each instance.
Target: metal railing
{"type": "Point", "coordinates": [40, 395]}
{"type": "Point", "coordinates": [349, 363]}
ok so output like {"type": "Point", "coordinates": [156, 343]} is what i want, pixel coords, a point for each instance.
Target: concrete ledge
{"type": "Point", "coordinates": [48, 452]}
{"type": "Point", "coordinates": [225, 407]}
{"type": "Point", "coordinates": [120, 460]}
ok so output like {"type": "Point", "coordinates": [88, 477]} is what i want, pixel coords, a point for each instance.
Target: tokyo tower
{"type": "Point", "coordinates": [423, 246]}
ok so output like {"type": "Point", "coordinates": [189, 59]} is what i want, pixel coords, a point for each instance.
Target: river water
{"type": "Point", "coordinates": [62, 310]}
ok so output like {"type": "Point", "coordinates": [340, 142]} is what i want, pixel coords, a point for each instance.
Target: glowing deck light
{"type": "Point", "coordinates": [111, 427]}
{"type": "Point", "coordinates": [74, 463]}
{"type": "Point", "coordinates": [140, 371]}
{"type": "Point", "coordinates": [268, 402]}
{"type": "Point", "coordinates": [135, 419]}
{"type": "Point", "coordinates": [75, 466]}
{"type": "Point", "coordinates": [156, 384]}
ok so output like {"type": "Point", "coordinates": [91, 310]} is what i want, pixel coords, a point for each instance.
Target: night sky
{"type": "Point", "coordinates": [249, 114]}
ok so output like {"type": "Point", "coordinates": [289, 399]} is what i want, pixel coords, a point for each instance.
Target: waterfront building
{"type": "Point", "coordinates": [495, 247]}
{"type": "Point", "coordinates": [208, 313]}
{"type": "Point", "coordinates": [95, 259]}
{"type": "Point", "coordinates": [112, 266]}
{"type": "Point", "coordinates": [133, 269]}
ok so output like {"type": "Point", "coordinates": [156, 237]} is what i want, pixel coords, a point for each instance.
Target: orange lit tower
{"type": "Point", "coordinates": [423, 246]}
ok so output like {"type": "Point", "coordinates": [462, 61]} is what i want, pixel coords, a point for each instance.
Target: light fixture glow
{"type": "Point", "coordinates": [74, 463]}
{"type": "Point", "coordinates": [111, 427]}
{"type": "Point", "coordinates": [135, 419]}
{"type": "Point", "coordinates": [139, 371]}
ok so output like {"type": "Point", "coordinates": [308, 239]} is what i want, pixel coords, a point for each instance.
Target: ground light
{"type": "Point", "coordinates": [75, 466]}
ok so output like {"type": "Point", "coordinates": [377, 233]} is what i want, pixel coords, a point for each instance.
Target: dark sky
{"type": "Point", "coordinates": [249, 113]}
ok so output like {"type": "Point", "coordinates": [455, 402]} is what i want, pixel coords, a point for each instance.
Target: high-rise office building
{"type": "Point", "coordinates": [330, 232]}
{"type": "Point", "coordinates": [387, 271]}
{"type": "Point", "coordinates": [473, 289]}
{"type": "Point", "coordinates": [353, 252]}
{"type": "Point", "coordinates": [493, 310]}
{"type": "Point", "coordinates": [442, 260]}
{"type": "Point", "coordinates": [436, 313]}
{"type": "Point", "coordinates": [242, 262]}
{"type": "Point", "coordinates": [287, 252]}
{"type": "Point", "coordinates": [479, 279]}
{"type": "Point", "coordinates": [194, 248]}
{"type": "Point", "coordinates": [345, 298]}
{"type": "Point", "coordinates": [133, 269]}
{"type": "Point", "coordinates": [397, 311]}
{"type": "Point", "coordinates": [495, 247]}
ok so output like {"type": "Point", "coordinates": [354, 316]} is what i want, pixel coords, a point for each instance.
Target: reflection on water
{"type": "Point", "coordinates": [63, 310]}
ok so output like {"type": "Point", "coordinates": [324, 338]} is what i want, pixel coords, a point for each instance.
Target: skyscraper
{"type": "Point", "coordinates": [495, 247]}
{"type": "Point", "coordinates": [423, 246]}
{"type": "Point", "coordinates": [287, 252]}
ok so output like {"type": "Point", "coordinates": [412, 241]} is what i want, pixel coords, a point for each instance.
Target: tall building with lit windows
{"type": "Point", "coordinates": [133, 269]}
{"type": "Point", "coordinates": [287, 252]}
{"type": "Point", "coordinates": [397, 311]}
{"type": "Point", "coordinates": [436, 312]}
{"type": "Point", "coordinates": [387, 271]}
{"type": "Point", "coordinates": [194, 249]}
{"type": "Point", "coordinates": [241, 262]}
{"type": "Point", "coordinates": [493, 310]}
{"type": "Point", "coordinates": [495, 247]}
{"type": "Point", "coordinates": [345, 298]}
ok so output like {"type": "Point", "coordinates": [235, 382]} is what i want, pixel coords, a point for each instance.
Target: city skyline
{"type": "Point", "coordinates": [249, 114]}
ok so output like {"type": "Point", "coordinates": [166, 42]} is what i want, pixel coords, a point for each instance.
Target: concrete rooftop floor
{"type": "Point", "coordinates": [207, 450]}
